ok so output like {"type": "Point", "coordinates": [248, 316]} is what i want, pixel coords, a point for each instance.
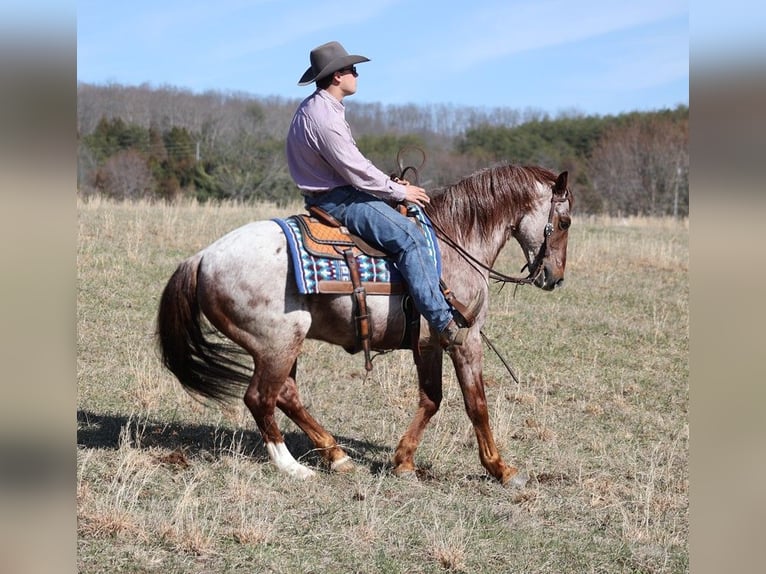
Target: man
{"type": "Point", "coordinates": [333, 174]}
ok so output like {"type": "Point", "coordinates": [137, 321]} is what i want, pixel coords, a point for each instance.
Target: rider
{"type": "Point", "coordinates": [333, 175]}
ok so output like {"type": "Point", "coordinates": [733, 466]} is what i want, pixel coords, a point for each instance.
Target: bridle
{"type": "Point", "coordinates": [537, 264]}
{"type": "Point", "coordinates": [534, 269]}
{"type": "Point", "coordinates": [544, 251]}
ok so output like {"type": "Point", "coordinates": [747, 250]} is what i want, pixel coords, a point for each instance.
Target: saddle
{"type": "Point", "coordinates": [325, 236]}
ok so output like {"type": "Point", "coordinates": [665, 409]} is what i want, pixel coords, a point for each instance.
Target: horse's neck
{"type": "Point", "coordinates": [482, 248]}
{"type": "Point", "coordinates": [487, 251]}
{"type": "Point", "coordinates": [482, 229]}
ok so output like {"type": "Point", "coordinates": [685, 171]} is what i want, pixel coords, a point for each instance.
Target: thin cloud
{"type": "Point", "coordinates": [488, 53]}
{"type": "Point", "coordinates": [521, 27]}
{"type": "Point", "coordinates": [288, 26]}
{"type": "Point", "coordinates": [658, 61]}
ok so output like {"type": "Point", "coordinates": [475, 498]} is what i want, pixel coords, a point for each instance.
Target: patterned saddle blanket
{"type": "Point", "coordinates": [316, 251]}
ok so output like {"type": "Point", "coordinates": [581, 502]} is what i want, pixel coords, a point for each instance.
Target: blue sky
{"type": "Point", "coordinates": [587, 56]}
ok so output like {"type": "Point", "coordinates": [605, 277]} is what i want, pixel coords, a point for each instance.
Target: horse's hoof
{"type": "Point", "coordinates": [301, 472]}
{"type": "Point", "coordinates": [518, 480]}
{"type": "Point", "coordinates": [408, 474]}
{"type": "Point", "coordinates": [343, 465]}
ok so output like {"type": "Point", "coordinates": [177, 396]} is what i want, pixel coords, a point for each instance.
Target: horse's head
{"type": "Point", "coordinates": [543, 235]}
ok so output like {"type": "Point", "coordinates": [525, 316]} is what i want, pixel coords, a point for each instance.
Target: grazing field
{"type": "Point", "coordinates": [599, 420]}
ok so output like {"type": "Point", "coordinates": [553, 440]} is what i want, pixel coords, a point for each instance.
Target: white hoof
{"type": "Point", "coordinates": [284, 461]}
{"type": "Point", "coordinates": [300, 472]}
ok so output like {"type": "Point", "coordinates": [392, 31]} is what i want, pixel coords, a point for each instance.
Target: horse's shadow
{"type": "Point", "coordinates": [204, 441]}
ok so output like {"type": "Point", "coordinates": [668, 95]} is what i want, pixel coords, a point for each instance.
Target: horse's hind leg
{"type": "Point", "coordinates": [290, 403]}
{"type": "Point", "coordinates": [430, 385]}
{"type": "Point", "coordinates": [261, 398]}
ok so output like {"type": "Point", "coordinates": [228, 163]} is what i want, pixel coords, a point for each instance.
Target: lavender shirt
{"type": "Point", "coordinates": [322, 154]}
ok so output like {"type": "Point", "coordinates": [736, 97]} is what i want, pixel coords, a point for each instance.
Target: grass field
{"type": "Point", "coordinates": [599, 420]}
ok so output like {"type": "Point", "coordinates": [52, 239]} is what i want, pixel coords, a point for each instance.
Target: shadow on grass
{"type": "Point", "coordinates": [105, 431]}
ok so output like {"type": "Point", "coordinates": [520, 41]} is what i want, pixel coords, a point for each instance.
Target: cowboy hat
{"type": "Point", "coordinates": [327, 59]}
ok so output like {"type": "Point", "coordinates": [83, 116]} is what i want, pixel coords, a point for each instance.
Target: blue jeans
{"type": "Point", "coordinates": [384, 227]}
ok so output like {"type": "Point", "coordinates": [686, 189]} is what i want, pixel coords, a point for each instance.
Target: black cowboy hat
{"type": "Point", "coordinates": [327, 59]}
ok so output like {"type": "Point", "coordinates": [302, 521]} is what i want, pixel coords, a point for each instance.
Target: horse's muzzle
{"type": "Point", "coordinates": [548, 281]}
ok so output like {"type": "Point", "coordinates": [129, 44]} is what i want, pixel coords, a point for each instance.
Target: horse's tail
{"type": "Point", "coordinates": [204, 366]}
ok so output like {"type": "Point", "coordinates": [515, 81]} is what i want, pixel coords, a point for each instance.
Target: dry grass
{"type": "Point", "coordinates": [599, 420]}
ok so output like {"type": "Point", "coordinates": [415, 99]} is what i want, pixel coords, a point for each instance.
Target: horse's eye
{"type": "Point", "coordinates": [564, 223]}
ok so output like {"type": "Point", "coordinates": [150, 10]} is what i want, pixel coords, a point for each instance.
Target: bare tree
{"type": "Point", "coordinates": [125, 175]}
{"type": "Point", "coordinates": [640, 168]}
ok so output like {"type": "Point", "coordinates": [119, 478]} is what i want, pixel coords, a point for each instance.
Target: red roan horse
{"type": "Point", "coordinates": [244, 286]}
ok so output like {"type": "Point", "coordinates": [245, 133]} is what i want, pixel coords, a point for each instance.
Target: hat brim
{"type": "Point", "coordinates": [308, 76]}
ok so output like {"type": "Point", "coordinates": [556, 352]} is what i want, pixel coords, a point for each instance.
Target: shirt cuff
{"type": "Point", "coordinates": [397, 190]}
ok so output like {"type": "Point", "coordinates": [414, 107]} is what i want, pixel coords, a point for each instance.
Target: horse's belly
{"type": "Point", "coordinates": [333, 320]}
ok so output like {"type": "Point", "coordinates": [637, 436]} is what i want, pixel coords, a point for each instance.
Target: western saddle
{"type": "Point", "coordinates": [325, 236]}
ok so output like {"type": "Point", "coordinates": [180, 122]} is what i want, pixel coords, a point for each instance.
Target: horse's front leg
{"type": "Point", "coordinates": [467, 361]}
{"type": "Point", "coordinates": [430, 384]}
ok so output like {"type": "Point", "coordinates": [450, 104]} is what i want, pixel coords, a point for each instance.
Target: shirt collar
{"type": "Point", "coordinates": [334, 102]}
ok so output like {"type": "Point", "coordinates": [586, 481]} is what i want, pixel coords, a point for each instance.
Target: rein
{"type": "Point", "coordinates": [534, 269]}
{"type": "Point", "coordinates": [542, 253]}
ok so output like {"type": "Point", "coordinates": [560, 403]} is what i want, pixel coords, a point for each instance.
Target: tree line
{"type": "Point", "coordinates": [167, 143]}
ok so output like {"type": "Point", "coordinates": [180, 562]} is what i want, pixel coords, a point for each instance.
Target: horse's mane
{"type": "Point", "coordinates": [487, 198]}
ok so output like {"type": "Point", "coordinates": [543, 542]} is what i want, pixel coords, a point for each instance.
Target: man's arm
{"type": "Point", "coordinates": [340, 151]}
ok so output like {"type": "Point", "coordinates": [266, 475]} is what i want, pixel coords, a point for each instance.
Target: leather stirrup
{"type": "Point", "coordinates": [466, 315]}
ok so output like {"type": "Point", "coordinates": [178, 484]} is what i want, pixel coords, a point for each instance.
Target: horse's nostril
{"type": "Point", "coordinates": [560, 282]}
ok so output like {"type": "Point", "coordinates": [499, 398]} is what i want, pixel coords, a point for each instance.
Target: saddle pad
{"type": "Point", "coordinates": [330, 275]}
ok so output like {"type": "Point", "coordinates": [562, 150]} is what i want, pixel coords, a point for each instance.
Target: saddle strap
{"type": "Point", "coordinates": [411, 337]}
{"type": "Point", "coordinates": [361, 316]}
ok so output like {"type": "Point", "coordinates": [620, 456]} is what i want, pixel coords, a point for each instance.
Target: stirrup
{"type": "Point", "coordinates": [465, 316]}
{"type": "Point", "coordinates": [452, 336]}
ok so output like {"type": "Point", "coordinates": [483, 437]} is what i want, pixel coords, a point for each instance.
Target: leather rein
{"type": "Point", "coordinates": [534, 269]}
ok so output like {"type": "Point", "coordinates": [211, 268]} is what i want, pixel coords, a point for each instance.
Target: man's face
{"type": "Point", "coordinates": [347, 80]}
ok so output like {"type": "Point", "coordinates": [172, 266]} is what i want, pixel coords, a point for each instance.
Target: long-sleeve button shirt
{"type": "Point", "coordinates": [322, 153]}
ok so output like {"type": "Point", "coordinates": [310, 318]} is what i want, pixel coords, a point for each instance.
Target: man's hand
{"type": "Point", "coordinates": [415, 194]}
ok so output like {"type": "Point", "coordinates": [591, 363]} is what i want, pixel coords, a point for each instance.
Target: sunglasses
{"type": "Point", "coordinates": [351, 69]}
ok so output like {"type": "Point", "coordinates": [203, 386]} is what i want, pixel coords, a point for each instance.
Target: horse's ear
{"type": "Point", "coordinates": [561, 182]}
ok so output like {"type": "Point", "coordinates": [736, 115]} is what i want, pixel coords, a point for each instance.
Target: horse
{"type": "Point", "coordinates": [243, 287]}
